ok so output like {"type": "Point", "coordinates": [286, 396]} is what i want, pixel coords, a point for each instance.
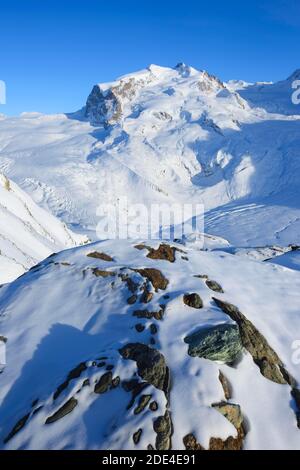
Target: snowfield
{"type": "Point", "coordinates": [167, 135]}
{"type": "Point", "coordinates": [28, 233]}
{"type": "Point", "coordinates": [136, 344]}
{"type": "Point", "coordinates": [73, 309]}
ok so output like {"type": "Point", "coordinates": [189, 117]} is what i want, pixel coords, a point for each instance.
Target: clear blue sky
{"type": "Point", "coordinates": [52, 52]}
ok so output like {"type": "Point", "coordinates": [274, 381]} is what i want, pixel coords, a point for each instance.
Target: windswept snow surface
{"type": "Point", "coordinates": [61, 314]}
{"type": "Point", "coordinates": [168, 135]}
{"type": "Point", "coordinates": [28, 233]}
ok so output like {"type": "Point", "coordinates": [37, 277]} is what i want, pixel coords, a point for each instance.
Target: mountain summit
{"type": "Point", "coordinates": [161, 135]}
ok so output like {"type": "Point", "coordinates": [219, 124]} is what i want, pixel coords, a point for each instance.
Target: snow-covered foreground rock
{"type": "Point", "coordinates": [168, 135]}
{"type": "Point", "coordinates": [28, 233]}
{"type": "Point", "coordinates": [122, 345]}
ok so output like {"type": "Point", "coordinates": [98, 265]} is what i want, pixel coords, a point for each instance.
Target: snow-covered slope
{"type": "Point", "coordinates": [273, 97]}
{"type": "Point", "coordinates": [108, 362]}
{"type": "Point", "coordinates": [28, 233]}
{"type": "Point", "coordinates": [164, 135]}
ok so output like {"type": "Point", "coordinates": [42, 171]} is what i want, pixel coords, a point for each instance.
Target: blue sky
{"type": "Point", "coordinates": [52, 52]}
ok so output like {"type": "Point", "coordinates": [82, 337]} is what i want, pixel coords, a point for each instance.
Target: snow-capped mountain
{"type": "Point", "coordinates": [28, 233]}
{"type": "Point", "coordinates": [153, 344]}
{"type": "Point", "coordinates": [150, 346]}
{"type": "Point", "coordinates": [168, 135]}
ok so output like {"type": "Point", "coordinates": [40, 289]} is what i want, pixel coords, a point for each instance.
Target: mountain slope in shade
{"type": "Point", "coordinates": [168, 135]}
{"type": "Point", "coordinates": [28, 233]}
{"type": "Point", "coordinates": [150, 346]}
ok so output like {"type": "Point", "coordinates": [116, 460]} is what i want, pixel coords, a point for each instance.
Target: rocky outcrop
{"type": "Point", "coordinates": [99, 255]}
{"type": "Point", "coordinates": [213, 285]}
{"type": "Point", "coordinates": [231, 412]}
{"type": "Point", "coordinates": [163, 428]}
{"type": "Point", "coordinates": [256, 344]}
{"type": "Point", "coordinates": [150, 363]}
{"type": "Point", "coordinates": [216, 343]}
{"type": "Point", "coordinates": [155, 276]}
{"type": "Point", "coordinates": [190, 442]}
{"type": "Point", "coordinates": [105, 106]}
{"type": "Point", "coordinates": [163, 252]}
{"type": "Point", "coordinates": [67, 408]}
{"type": "Point", "coordinates": [18, 426]}
{"type": "Point", "coordinates": [193, 300]}
{"type": "Point", "coordinates": [137, 436]}
{"type": "Point", "coordinates": [145, 313]}
{"type": "Point", "coordinates": [73, 374]}
{"type": "Point", "coordinates": [143, 402]}
{"type": "Point", "coordinates": [104, 383]}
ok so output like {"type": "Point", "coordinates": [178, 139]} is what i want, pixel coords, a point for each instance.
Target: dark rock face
{"type": "Point", "coordinates": [137, 436]}
{"type": "Point", "coordinates": [139, 327]}
{"type": "Point", "coordinates": [256, 344]}
{"type": "Point", "coordinates": [143, 402]}
{"type": "Point", "coordinates": [150, 363]}
{"type": "Point", "coordinates": [190, 443]}
{"type": "Point", "coordinates": [18, 426]}
{"type": "Point", "coordinates": [163, 428]}
{"type": "Point", "coordinates": [193, 300]}
{"type": "Point", "coordinates": [131, 285]}
{"type": "Point", "coordinates": [98, 255]}
{"type": "Point", "coordinates": [163, 252]}
{"type": "Point", "coordinates": [104, 383]}
{"type": "Point", "coordinates": [213, 285]}
{"type": "Point", "coordinates": [153, 329]}
{"type": "Point", "coordinates": [146, 296]}
{"type": "Point", "coordinates": [217, 343]}
{"type": "Point", "coordinates": [153, 406]}
{"type": "Point", "coordinates": [132, 299]}
{"type": "Point", "coordinates": [231, 443]}
{"type": "Point", "coordinates": [73, 374]}
{"type": "Point", "coordinates": [67, 408]}
{"type": "Point", "coordinates": [102, 108]}
{"type": "Point", "coordinates": [155, 276]}
{"type": "Point", "coordinates": [296, 396]}
{"type": "Point", "coordinates": [158, 315]}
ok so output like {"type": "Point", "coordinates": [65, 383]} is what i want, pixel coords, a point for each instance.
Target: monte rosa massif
{"type": "Point", "coordinates": [191, 343]}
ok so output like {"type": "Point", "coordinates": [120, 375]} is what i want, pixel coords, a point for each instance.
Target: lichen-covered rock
{"type": "Point", "coordinates": [137, 436]}
{"type": "Point", "coordinates": [193, 300]}
{"type": "Point", "coordinates": [155, 276]}
{"type": "Point", "coordinates": [163, 428]}
{"type": "Point", "coordinates": [100, 255]}
{"type": "Point", "coordinates": [217, 343]}
{"type": "Point", "coordinates": [230, 411]}
{"type": "Point", "coordinates": [104, 383]}
{"type": "Point", "coordinates": [150, 363]}
{"type": "Point", "coordinates": [143, 402]}
{"type": "Point", "coordinates": [163, 252]}
{"type": "Point", "coordinates": [158, 314]}
{"type": "Point", "coordinates": [213, 285]}
{"type": "Point", "coordinates": [67, 408]}
{"type": "Point", "coordinates": [190, 442]}
{"type": "Point", "coordinates": [256, 344]}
